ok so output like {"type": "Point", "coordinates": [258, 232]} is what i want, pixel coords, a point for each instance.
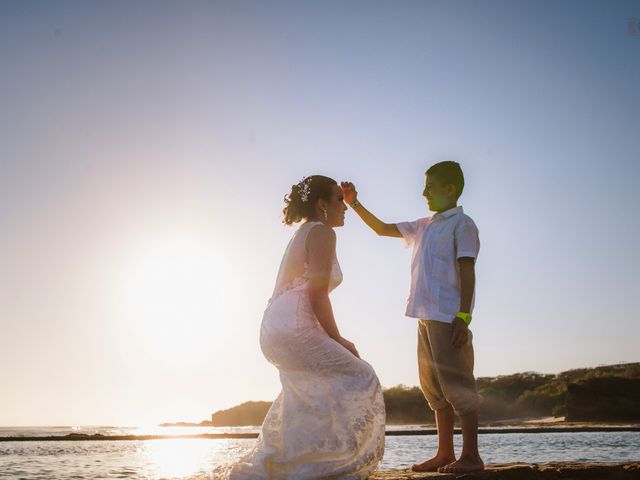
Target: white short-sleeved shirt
{"type": "Point", "coordinates": [438, 241]}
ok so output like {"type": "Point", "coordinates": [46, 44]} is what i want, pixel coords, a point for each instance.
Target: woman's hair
{"type": "Point", "coordinates": [300, 202]}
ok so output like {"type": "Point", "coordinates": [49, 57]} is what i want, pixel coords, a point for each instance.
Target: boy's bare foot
{"type": "Point", "coordinates": [432, 464]}
{"type": "Point", "coordinates": [463, 464]}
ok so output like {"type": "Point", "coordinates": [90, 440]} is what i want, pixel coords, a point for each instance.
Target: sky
{"type": "Point", "coordinates": [145, 149]}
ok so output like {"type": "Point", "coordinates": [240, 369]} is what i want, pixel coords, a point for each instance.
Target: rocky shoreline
{"type": "Point", "coordinates": [529, 471]}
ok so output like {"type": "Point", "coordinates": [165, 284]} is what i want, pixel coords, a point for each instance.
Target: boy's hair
{"type": "Point", "coordinates": [448, 172]}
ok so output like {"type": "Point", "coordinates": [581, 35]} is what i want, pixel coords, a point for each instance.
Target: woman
{"type": "Point", "coordinates": [328, 421]}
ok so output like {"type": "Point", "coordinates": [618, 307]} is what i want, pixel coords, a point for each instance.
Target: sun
{"type": "Point", "coordinates": [175, 292]}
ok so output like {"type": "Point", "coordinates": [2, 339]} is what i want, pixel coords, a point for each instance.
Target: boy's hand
{"type": "Point", "coordinates": [460, 333]}
{"type": "Point", "coordinates": [349, 192]}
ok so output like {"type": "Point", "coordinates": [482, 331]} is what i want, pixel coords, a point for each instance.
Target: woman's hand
{"type": "Point", "coordinates": [349, 346]}
{"type": "Point", "coordinates": [349, 192]}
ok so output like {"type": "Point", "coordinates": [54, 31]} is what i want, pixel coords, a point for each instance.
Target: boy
{"type": "Point", "coordinates": [445, 247]}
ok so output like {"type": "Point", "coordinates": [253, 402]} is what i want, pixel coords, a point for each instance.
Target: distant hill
{"type": "Point", "coordinates": [532, 394]}
{"type": "Point", "coordinates": [606, 393]}
{"type": "Point", "coordinates": [247, 413]}
{"type": "Point", "coordinates": [613, 399]}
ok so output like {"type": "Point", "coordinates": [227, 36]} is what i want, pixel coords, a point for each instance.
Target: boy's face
{"type": "Point", "coordinates": [439, 196]}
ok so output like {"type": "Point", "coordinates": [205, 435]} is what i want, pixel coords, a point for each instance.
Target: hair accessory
{"type": "Point", "coordinates": [304, 188]}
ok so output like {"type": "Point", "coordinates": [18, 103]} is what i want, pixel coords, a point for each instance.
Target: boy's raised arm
{"type": "Point", "coordinates": [383, 229]}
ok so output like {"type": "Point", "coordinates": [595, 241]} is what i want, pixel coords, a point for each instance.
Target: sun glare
{"type": "Point", "coordinates": [179, 458]}
{"type": "Point", "coordinates": [174, 294]}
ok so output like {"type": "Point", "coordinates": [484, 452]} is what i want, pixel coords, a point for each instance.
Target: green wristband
{"type": "Point", "coordinates": [466, 317]}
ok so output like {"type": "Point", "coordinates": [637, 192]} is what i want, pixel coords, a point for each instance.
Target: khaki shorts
{"type": "Point", "coordinates": [446, 372]}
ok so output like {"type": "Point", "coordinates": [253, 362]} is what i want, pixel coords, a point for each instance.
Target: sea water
{"type": "Point", "coordinates": [194, 458]}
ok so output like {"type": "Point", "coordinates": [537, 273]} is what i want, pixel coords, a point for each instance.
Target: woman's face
{"type": "Point", "coordinates": [335, 208]}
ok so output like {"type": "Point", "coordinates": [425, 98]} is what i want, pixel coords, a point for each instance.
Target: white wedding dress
{"type": "Point", "coordinates": [328, 422]}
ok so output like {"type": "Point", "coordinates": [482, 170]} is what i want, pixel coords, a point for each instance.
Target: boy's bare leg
{"type": "Point", "coordinates": [469, 460]}
{"type": "Point", "coordinates": [445, 455]}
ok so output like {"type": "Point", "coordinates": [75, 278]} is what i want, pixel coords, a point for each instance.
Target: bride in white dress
{"type": "Point", "coordinates": [328, 422]}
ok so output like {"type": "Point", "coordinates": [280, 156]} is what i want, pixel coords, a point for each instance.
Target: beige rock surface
{"type": "Point", "coordinates": [529, 471]}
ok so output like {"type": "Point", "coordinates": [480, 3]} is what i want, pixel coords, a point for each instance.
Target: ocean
{"type": "Point", "coordinates": [194, 458]}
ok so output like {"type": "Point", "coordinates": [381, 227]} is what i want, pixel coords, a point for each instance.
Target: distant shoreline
{"type": "Point", "coordinates": [583, 395]}
{"type": "Point", "coordinates": [249, 435]}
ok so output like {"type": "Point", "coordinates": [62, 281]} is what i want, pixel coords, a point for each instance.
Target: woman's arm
{"type": "Point", "coordinates": [321, 246]}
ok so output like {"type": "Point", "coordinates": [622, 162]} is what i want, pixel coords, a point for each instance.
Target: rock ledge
{"type": "Point", "coordinates": [529, 471]}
